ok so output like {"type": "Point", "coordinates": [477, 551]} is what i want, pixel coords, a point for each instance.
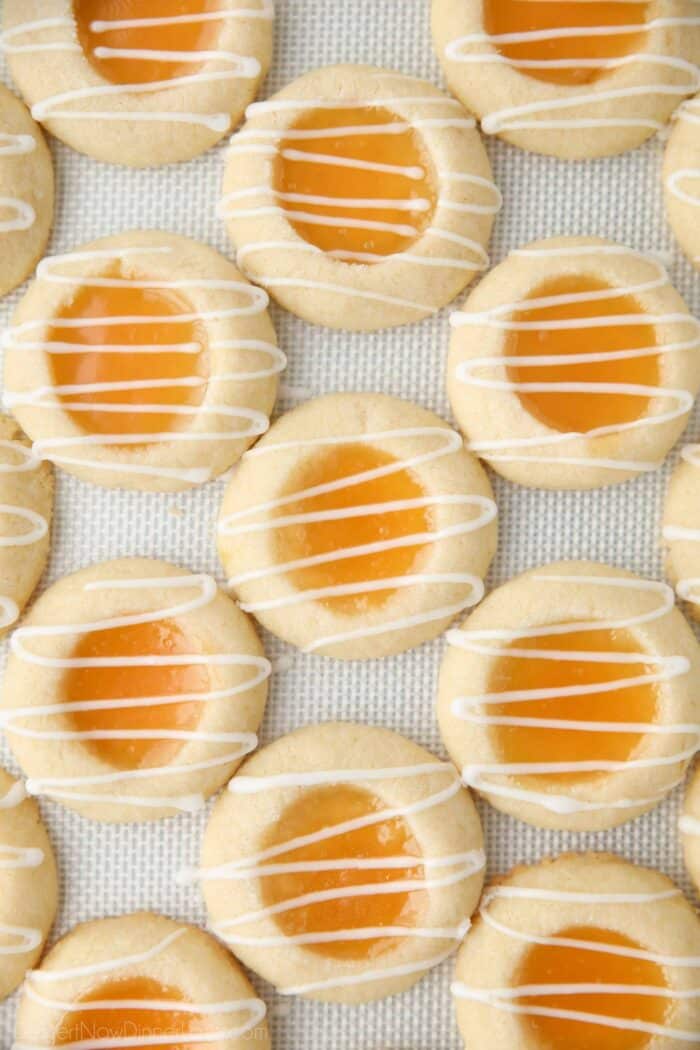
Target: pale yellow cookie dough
{"type": "Point", "coordinates": [299, 789]}
{"type": "Point", "coordinates": [124, 108]}
{"type": "Point", "coordinates": [26, 192]}
{"type": "Point", "coordinates": [681, 175]}
{"type": "Point", "coordinates": [419, 510]}
{"type": "Point", "coordinates": [575, 440]}
{"type": "Point", "coordinates": [26, 508]}
{"type": "Point", "coordinates": [576, 897]}
{"type": "Point", "coordinates": [28, 884]}
{"type": "Point", "coordinates": [571, 112]}
{"type": "Point", "coordinates": [477, 669]}
{"type": "Point", "coordinates": [228, 378]}
{"type": "Point", "coordinates": [186, 981]}
{"type": "Point", "coordinates": [333, 264]}
{"type": "Point", "coordinates": [690, 827]}
{"type": "Point", "coordinates": [74, 759]}
{"type": "Point", "coordinates": [682, 529]}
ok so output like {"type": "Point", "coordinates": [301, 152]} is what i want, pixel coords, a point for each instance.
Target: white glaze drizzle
{"type": "Point", "coordinates": [254, 1008]}
{"type": "Point", "coordinates": [24, 215]}
{"type": "Point", "coordinates": [505, 999]}
{"type": "Point", "coordinates": [23, 338]}
{"type": "Point", "coordinates": [495, 643]}
{"type": "Point", "coordinates": [689, 825]}
{"type": "Point", "coordinates": [233, 67]}
{"type": "Point", "coordinates": [239, 524]}
{"type": "Point", "coordinates": [676, 182]}
{"type": "Point", "coordinates": [440, 871]}
{"type": "Point", "coordinates": [688, 588]}
{"type": "Point", "coordinates": [267, 142]}
{"type": "Point", "coordinates": [17, 858]}
{"type": "Point", "coordinates": [527, 116]}
{"type": "Point", "coordinates": [501, 318]}
{"type": "Point", "coordinates": [24, 537]}
{"type": "Point", "coordinates": [71, 788]}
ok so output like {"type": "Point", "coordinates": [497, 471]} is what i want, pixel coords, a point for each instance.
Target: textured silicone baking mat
{"type": "Point", "coordinates": [110, 870]}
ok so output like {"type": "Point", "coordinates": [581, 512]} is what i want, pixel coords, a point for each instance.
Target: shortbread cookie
{"type": "Point", "coordinates": [26, 507]}
{"type": "Point", "coordinates": [569, 698]}
{"type": "Point", "coordinates": [26, 192]}
{"type": "Point", "coordinates": [28, 884]}
{"type": "Point", "coordinates": [552, 379]}
{"type": "Point", "coordinates": [572, 79]}
{"type": "Point", "coordinates": [111, 981]}
{"type": "Point", "coordinates": [682, 529]}
{"type": "Point", "coordinates": [358, 527]}
{"type": "Point", "coordinates": [134, 83]}
{"type": "Point", "coordinates": [682, 179]}
{"type": "Point", "coordinates": [548, 962]}
{"type": "Point", "coordinates": [175, 369]}
{"type": "Point", "coordinates": [133, 691]}
{"type": "Point", "coordinates": [360, 198]}
{"type": "Point", "coordinates": [292, 864]}
{"type": "Point", "coordinates": [690, 827]}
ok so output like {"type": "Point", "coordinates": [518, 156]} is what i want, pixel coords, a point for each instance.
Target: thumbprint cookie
{"type": "Point", "coordinates": [574, 365]}
{"type": "Point", "coordinates": [690, 827]}
{"type": "Point", "coordinates": [26, 192]}
{"type": "Point", "coordinates": [133, 691]}
{"type": "Point", "coordinates": [26, 507]}
{"type": "Point", "coordinates": [144, 361]}
{"type": "Point", "coordinates": [569, 698]}
{"type": "Point", "coordinates": [342, 863]}
{"type": "Point", "coordinates": [682, 179]}
{"type": "Point", "coordinates": [28, 884]}
{"type": "Point", "coordinates": [572, 79]}
{"type": "Point", "coordinates": [136, 83]}
{"type": "Point", "coordinates": [358, 527]}
{"type": "Point", "coordinates": [135, 980]}
{"type": "Point", "coordinates": [682, 529]}
{"type": "Point", "coordinates": [583, 951]}
{"type": "Point", "coordinates": [360, 198]}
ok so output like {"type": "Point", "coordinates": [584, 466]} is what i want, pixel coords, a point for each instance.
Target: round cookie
{"type": "Point", "coordinates": [26, 508]}
{"type": "Point", "coordinates": [360, 198]}
{"type": "Point", "coordinates": [358, 527]}
{"type": "Point", "coordinates": [552, 379]}
{"type": "Point", "coordinates": [26, 192]}
{"type": "Point", "coordinates": [569, 698]}
{"type": "Point", "coordinates": [565, 78]}
{"type": "Point", "coordinates": [342, 863]}
{"type": "Point", "coordinates": [175, 370]}
{"type": "Point", "coordinates": [555, 945]}
{"type": "Point", "coordinates": [140, 975]}
{"type": "Point", "coordinates": [690, 827]}
{"type": "Point", "coordinates": [133, 691]}
{"type": "Point", "coordinates": [28, 884]}
{"type": "Point", "coordinates": [682, 179]}
{"type": "Point", "coordinates": [138, 87]}
{"type": "Point", "coordinates": [682, 529]}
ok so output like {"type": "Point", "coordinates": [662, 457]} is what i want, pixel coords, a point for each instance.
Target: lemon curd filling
{"type": "Point", "coordinates": [312, 538]}
{"type": "Point", "coordinates": [119, 64]}
{"type": "Point", "coordinates": [577, 412]}
{"type": "Point", "coordinates": [324, 808]}
{"type": "Point", "coordinates": [602, 38]}
{"type": "Point", "coordinates": [383, 207]}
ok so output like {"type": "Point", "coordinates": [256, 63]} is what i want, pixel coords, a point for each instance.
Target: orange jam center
{"type": "Point", "coordinates": [338, 534]}
{"type": "Point", "coordinates": [128, 1022]}
{"type": "Point", "coordinates": [594, 49]}
{"type": "Point", "coordinates": [637, 703]}
{"type": "Point", "coordinates": [136, 681]}
{"type": "Point", "coordinates": [554, 964]}
{"type": "Point", "coordinates": [575, 412]}
{"type": "Point", "coordinates": [140, 352]}
{"type": "Point", "coordinates": [367, 170]}
{"type": "Point", "coordinates": [328, 807]}
{"type": "Point", "coordinates": [119, 64]}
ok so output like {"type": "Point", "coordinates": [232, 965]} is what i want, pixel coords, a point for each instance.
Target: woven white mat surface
{"type": "Point", "coordinates": [111, 870]}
